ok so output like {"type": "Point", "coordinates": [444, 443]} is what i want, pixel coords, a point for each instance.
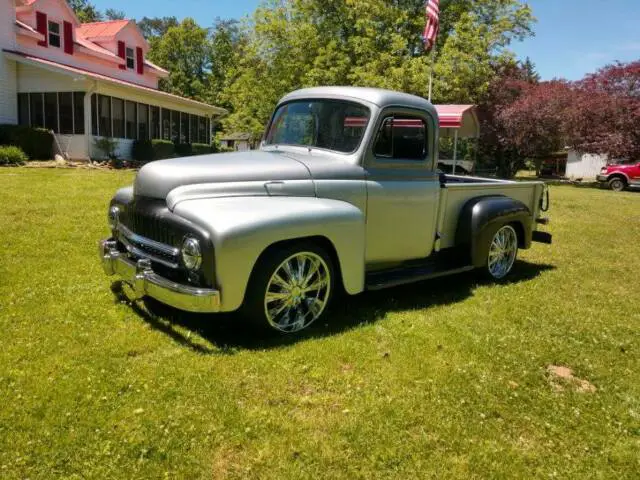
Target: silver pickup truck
{"type": "Point", "coordinates": [343, 195]}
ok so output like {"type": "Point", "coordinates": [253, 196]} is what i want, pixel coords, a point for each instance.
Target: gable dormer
{"type": "Point", "coordinates": [121, 37]}
{"type": "Point", "coordinates": [53, 20]}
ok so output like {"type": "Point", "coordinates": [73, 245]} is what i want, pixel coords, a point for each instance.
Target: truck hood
{"type": "Point", "coordinates": [158, 179]}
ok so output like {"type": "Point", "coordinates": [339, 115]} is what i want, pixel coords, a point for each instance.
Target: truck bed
{"type": "Point", "coordinates": [457, 190]}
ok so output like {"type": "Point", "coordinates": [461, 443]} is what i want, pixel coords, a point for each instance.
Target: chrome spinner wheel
{"type": "Point", "coordinates": [298, 292]}
{"type": "Point", "coordinates": [502, 252]}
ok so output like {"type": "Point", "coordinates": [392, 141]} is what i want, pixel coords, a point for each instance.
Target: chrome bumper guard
{"type": "Point", "coordinates": [144, 282]}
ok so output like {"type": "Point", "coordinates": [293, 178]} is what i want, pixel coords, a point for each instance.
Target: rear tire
{"type": "Point", "coordinates": [617, 184]}
{"type": "Point", "coordinates": [502, 252]}
{"type": "Point", "coordinates": [290, 288]}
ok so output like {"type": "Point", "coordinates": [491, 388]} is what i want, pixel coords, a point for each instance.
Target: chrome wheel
{"type": "Point", "coordinates": [298, 292]}
{"type": "Point", "coordinates": [502, 252]}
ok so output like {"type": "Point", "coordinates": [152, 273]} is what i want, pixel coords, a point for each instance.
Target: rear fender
{"type": "Point", "coordinates": [242, 228]}
{"type": "Point", "coordinates": [481, 216]}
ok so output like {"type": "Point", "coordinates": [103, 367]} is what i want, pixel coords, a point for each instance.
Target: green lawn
{"type": "Point", "coordinates": [444, 379]}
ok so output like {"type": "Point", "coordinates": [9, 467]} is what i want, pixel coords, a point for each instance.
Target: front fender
{"type": "Point", "coordinates": [242, 228]}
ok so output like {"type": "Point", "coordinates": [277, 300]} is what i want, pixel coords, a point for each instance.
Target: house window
{"type": "Point", "coordinates": [54, 34]}
{"type": "Point", "coordinates": [166, 124]}
{"type": "Point", "coordinates": [65, 102]}
{"type": "Point", "coordinates": [175, 126]}
{"type": "Point", "coordinates": [202, 130]}
{"type": "Point", "coordinates": [184, 128]}
{"type": "Point", "coordinates": [94, 114]}
{"type": "Point", "coordinates": [193, 119]}
{"type": "Point", "coordinates": [117, 106]}
{"type": "Point", "coordinates": [131, 61]}
{"type": "Point", "coordinates": [143, 121]}
{"type": "Point", "coordinates": [51, 111]}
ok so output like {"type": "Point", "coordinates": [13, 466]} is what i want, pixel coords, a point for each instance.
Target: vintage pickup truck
{"type": "Point", "coordinates": [343, 195]}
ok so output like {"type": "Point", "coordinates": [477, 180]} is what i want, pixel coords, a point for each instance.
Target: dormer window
{"type": "Point", "coordinates": [131, 62]}
{"type": "Point", "coordinates": [54, 34]}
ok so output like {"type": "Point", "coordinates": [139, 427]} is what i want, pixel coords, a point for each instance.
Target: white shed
{"type": "Point", "coordinates": [584, 165]}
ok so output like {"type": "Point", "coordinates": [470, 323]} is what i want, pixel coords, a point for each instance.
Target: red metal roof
{"type": "Point", "coordinates": [451, 116]}
{"type": "Point", "coordinates": [101, 29]}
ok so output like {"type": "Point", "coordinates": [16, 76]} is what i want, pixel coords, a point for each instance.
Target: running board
{"type": "Point", "coordinates": [396, 277]}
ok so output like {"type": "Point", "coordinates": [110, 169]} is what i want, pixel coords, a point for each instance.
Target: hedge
{"type": "Point", "coordinates": [163, 149]}
{"type": "Point", "coordinates": [183, 150]}
{"type": "Point", "coordinates": [36, 143]}
{"type": "Point", "coordinates": [11, 155]}
{"type": "Point", "coordinates": [201, 149]}
{"type": "Point", "coordinates": [142, 151]}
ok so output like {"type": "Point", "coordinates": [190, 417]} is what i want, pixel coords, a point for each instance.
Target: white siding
{"type": "Point", "coordinates": [37, 79]}
{"type": "Point", "coordinates": [74, 147]}
{"type": "Point", "coordinates": [8, 97]}
{"type": "Point", "coordinates": [584, 165]}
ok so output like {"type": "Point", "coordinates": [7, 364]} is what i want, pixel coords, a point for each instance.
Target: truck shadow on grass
{"type": "Point", "coordinates": [224, 334]}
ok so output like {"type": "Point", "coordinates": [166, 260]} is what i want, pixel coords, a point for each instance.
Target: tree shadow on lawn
{"type": "Point", "coordinates": [224, 334]}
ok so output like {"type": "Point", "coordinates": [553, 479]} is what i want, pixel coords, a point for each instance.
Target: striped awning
{"type": "Point", "coordinates": [460, 117]}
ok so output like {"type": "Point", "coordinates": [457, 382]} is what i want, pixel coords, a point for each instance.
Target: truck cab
{"type": "Point", "coordinates": [344, 194]}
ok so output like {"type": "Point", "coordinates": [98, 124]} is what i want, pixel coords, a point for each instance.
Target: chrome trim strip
{"type": "Point", "coordinates": [168, 249]}
{"type": "Point", "coordinates": [143, 281]}
{"type": "Point", "coordinates": [141, 253]}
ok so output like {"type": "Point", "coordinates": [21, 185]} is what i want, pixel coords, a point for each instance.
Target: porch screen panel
{"type": "Point", "coordinates": [193, 119]}
{"type": "Point", "coordinates": [208, 130]}
{"type": "Point", "coordinates": [202, 130]}
{"type": "Point", "coordinates": [143, 121]}
{"type": "Point", "coordinates": [175, 126]}
{"type": "Point", "coordinates": [23, 109]}
{"type": "Point", "coordinates": [155, 122]}
{"type": "Point", "coordinates": [36, 108]}
{"type": "Point", "coordinates": [184, 128]}
{"type": "Point", "coordinates": [104, 115]}
{"type": "Point", "coordinates": [94, 114]}
{"type": "Point", "coordinates": [117, 104]}
{"type": "Point", "coordinates": [166, 124]}
{"type": "Point", "coordinates": [65, 101]}
{"type": "Point", "coordinates": [78, 113]}
{"type": "Point", "coordinates": [131, 121]}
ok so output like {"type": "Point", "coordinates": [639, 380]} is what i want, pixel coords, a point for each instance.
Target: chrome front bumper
{"type": "Point", "coordinates": [144, 282]}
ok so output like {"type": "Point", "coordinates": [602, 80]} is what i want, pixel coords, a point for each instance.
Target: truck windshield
{"type": "Point", "coordinates": [327, 124]}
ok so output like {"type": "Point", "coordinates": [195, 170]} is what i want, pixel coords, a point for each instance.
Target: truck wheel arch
{"type": "Point", "coordinates": [481, 215]}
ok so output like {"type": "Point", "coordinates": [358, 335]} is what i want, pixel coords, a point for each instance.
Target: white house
{"type": "Point", "coordinates": [85, 81]}
{"type": "Point", "coordinates": [584, 165]}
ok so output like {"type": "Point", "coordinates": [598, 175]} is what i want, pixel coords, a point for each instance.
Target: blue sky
{"type": "Point", "coordinates": [573, 37]}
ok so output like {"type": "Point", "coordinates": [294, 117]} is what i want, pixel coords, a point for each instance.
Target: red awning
{"type": "Point", "coordinates": [461, 117]}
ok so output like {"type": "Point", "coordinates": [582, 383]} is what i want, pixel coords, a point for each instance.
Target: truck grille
{"type": "Point", "coordinates": [140, 246]}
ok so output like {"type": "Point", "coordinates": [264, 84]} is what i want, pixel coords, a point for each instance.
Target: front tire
{"type": "Point", "coordinates": [617, 184]}
{"type": "Point", "coordinates": [502, 252]}
{"type": "Point", "coordinates": [290, 288]}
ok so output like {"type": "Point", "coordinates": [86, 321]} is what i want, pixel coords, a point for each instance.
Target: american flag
{"type": "Point", "coordinates": [433, 23]}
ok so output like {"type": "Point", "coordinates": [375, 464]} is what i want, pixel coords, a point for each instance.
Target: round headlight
{"type": "Point", "coordinates": [191, 254]}
{"type": "Point", "coordinates": [113, 217]}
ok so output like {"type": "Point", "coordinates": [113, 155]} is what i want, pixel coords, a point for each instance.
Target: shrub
{"type": "Point", "coordinates": [12, 155]}
{"type": "Point", "coordinates": [107, 147]}
{"type": "Point", "coordinates": [36, 143]}
{"type": "Point", "coordinates": [183, 149]}
{"type": "Point", "coordinates": [142, 151]}
{"type": "Point", "coordinates": [163, 149]}
{"type": "Point", "coordinates": [201, 149]}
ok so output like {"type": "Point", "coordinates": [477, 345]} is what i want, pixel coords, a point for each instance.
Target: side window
{"type": "Point", "coordinates": [402, 137]}
{"type": "Point", "coordinates": [54, 34]}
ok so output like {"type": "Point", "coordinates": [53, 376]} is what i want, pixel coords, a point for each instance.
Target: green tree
{"type": "Point", "coordinates": [113, 14]}
{"type": "Point", "coordinates": [156, 26]}
{"type": "Point", "coordinates": [85, 11]}
{"type": "Point", "coordinates": [297, 43]}
{"type": "Point", "coordinates": [185, 51]}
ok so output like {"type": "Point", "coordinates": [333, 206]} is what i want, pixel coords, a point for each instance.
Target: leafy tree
{"type": "Point", "coordinates": [113, 14]}
{"type": "Point", "coordinates": [297, 43]}
{"type": "Point", "coordinates": [156, 26]}
{"type": "Point", "coordinates": [226, 39]}
{"type": "Point", "coordinates": [185, 51]}
{"type": "Point", "coordinates": [85, 11]}
{"type": "Point", "coordinates": [605, 113]}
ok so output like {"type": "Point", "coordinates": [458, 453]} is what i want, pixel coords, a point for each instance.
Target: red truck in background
{"type": "Point", "coordinates": [620, 176]}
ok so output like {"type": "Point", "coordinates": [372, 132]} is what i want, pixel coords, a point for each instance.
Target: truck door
{"type": "Point", "coordinates": [403, 188]}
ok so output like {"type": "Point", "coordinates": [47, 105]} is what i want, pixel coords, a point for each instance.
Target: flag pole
{"type": "Point", "coordinates": [433, 59]}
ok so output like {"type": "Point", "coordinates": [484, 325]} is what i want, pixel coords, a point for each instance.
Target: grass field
{"type": "Point", "coordinates": [443, 379]}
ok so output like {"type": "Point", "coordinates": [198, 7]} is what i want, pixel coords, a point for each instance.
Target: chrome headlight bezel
{"type": "Point", "coordinates": [113, 217]}
{"type": "Point", "coordinates": [191, 253]}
